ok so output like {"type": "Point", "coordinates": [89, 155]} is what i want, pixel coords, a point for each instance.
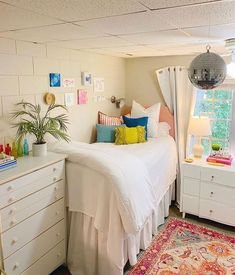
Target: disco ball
{"type": "Point", "coordinates": [207, 70]}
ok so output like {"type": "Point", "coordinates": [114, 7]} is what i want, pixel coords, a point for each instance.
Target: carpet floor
{"type": "Point", "coordinates": [174, 213]}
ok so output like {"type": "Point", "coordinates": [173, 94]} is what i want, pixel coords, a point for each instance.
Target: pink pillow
{"type": "Point", "coordinates": [109, 120]}
{"type": "Point", "coordinates": [166, 116]}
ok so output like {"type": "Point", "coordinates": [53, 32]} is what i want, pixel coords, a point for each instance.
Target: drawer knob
{"type": "Point", "coordinates": [56, 188]}
{"type": "Point", "coordinates": [14, 240]}
{"type": "Point", "coordinates": [16, 265]}
{"type": "Point", "coordinates": [13, 210]}
{"type": "Point", "coordinates": [13, 221]}
{"type": "Point", "coordinates": [10, 187]}
{"type": "Point", "coordinates": [11, 199]}
{"type": "Point", "coordinates": [54, 169]}
{"type": "Point", "coordinates": [54, 179]}
{"type": "Point", "coordinates": [57, 234]}
{"type": "Point", "coordinates": [57, 213]}
{"type": "Point", "coordinates": [212, 193]}
{"type": "Point", "coordinates": [58, 255]}
{"type": "Point", "coordinates": [211, 211]}
{"type": "Point", "coordinates": [212, 177]}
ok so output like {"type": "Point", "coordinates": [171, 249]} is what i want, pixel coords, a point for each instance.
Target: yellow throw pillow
{"type": "Point", "coordinates": [126, 135]}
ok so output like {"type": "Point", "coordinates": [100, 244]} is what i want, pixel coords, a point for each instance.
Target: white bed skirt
{"type": "Point", "coordinates": [92, 252]}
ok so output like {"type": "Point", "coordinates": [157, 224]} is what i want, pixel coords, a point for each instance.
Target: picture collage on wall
{"type": "Point", "coordinates": [81, 95]}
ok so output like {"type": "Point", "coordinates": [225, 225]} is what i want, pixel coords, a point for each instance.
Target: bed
{"type": "Point", "coordinates": [116, 207]}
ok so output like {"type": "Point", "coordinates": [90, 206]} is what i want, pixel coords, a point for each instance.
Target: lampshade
{"type": "Point", "coordinates": [207, 70]}
{"type": "Point", "coordinates": [199, 126]}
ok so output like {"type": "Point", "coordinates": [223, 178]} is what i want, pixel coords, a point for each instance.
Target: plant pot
{"type": "Point", "coordinates": [39, 150]}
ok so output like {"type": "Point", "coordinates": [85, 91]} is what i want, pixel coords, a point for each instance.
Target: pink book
{"type": "Point", "coordinates": [226, 161]}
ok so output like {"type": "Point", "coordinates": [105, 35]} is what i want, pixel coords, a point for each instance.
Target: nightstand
{"type": "Point", "coordinates": [208, 191]}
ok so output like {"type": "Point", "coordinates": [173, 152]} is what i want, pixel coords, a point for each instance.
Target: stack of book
{"type": "Point", "coordinates": [227, 160]}
{"type": "Point", "coordinates": [7, 162]}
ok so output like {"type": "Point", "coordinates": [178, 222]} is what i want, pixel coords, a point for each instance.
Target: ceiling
{"type": "Point", "coordinates": [126, 28]}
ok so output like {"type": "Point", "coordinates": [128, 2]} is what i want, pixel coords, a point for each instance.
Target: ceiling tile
{"type": "Point", "coordinates": [164, 4]}
{"type": "Point", "coordinates": [213, 32]}
{"type": "Point", "coordinates": [158, 37]}
{"type": "Point", "coordinates": [127, 52]}
{"type": "Point", "coordinates": [91, 43]}
{"type": "Point", "coordinates": [65, 31]}
{"type": "Point", "coordinates": [182, 49]}
{"type": "Point", "coordinates": [202, 15]}
{"type": "Point", "coordinates": [12, 18]}
{"type": "Point", "coordinates": [131, 23]}
{"type": "Point", "coordinates": [74, 10]}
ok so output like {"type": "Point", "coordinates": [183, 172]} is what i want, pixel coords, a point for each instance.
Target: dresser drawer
{"type": "Point", "coordinates": [19, 188]}
{"type": "Point", "coordinates": [49, 262]}
{"type": "Point", "coordinates": [190, 204]}
{"type": "Point", "coordinates": [191, 171]}
{"type": "Point", "coordinates": [22, 209]}
{"type": "Point", "coordinates": [219, 193]}
{"type": "Point", "coordinates": [191, 186]}
{"type": "Point", "coordinates": [217, 211]}
{"type": "Point", "coordinates": [224, 177]}
{"type": "Point", "coordinates": [22, 233]}
{"type": "Point", "coordinates": [26, 256]}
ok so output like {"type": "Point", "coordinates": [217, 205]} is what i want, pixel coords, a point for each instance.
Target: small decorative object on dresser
{"type": "Point", "coordinates": [208, 191]}
{"type": "Point", "coordinates": [32, 214]}
{"type": "Point", "coordinates": [33, 123]}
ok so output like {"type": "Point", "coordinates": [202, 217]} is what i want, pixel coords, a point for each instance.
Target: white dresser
{"type": "Point", "coordinates": [208, 191]}
{"type": "Point", "coordinates": [32, 213]}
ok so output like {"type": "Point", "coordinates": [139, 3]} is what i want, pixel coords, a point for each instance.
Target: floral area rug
{"type": "Point", "coordinates": [184, 248]}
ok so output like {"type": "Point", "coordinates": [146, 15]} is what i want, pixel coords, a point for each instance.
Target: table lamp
{"type": "Point", "coordinates": [199, 127]}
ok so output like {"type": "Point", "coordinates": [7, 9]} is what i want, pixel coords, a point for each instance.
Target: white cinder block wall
{"type": "Point", "coordinates": [24, 74]}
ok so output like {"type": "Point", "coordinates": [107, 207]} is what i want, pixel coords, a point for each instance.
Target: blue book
{"type": "Point", "coordinates": [8, 165]}
{"type": "Point", "coordinates": [7, 162]}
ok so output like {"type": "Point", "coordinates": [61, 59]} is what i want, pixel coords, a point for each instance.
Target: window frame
{"type": "Point", "coordinates": [226, 86]}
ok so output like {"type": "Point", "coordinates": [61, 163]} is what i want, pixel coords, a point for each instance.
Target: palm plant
{"type": "Point", "coordinates": [33, 123]}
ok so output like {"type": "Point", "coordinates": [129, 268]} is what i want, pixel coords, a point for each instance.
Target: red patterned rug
{"type": "Point", "coordinates": [183, 248]}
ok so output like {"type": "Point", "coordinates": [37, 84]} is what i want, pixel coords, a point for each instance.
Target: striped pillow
{"type": "Point", "coordinates": [109, 120]}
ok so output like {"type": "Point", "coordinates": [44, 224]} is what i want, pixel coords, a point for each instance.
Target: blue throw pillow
{"type": "Point", "coordinates": [106, 133]}
{"type": "Point", "coordinates": [133, 122]}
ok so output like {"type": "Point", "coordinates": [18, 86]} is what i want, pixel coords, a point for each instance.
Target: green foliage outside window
{"type": "Point", "coordinates": [217, 105]}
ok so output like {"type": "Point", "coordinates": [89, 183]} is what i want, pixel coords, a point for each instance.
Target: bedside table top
{"type": "Point", "coordinates": [203, 163]}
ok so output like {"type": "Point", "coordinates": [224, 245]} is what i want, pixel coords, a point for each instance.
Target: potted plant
{"type": "Point", "coordinates": [34, 123]}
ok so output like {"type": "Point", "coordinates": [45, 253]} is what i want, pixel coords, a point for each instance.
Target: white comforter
{"type": "Point", "coordinates": [130, 173]}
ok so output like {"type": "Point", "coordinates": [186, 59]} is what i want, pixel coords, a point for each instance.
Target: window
{"type": "Point", "coordinates": [216, 104]}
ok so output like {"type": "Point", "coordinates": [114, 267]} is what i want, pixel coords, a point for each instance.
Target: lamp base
{"type": "Point", "coordinates": [197, 150]}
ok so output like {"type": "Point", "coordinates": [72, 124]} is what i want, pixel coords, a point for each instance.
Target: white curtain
{"type": "Point", "coordinates": [179, 96]}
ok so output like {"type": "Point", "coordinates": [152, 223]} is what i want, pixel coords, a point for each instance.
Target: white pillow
{"type": "Point", "coordinates": [152, 113]}
{"type": "Point", "coordinates": [163, 129]}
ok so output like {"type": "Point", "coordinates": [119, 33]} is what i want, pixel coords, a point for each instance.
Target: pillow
{"type": "Point", "coordinates": [163, 129]}
{"type": "Point", "coordinates": [106, 133]}
{"type": "Point", "coordinates": [125, 135]}
{"type": "Point", "coordinates": [109, 120]}
{"type": "Point", "coordinates": [133, 122]}
{"type": "Point", "coordinates": [152, 113]}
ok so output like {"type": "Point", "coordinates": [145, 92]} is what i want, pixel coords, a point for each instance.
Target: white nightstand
{"type": "Point", "coordinates": [32, 215]}
{"type": "Point", "coordinates": [208, 191]}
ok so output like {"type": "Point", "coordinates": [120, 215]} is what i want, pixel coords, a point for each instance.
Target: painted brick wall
{"type": "Point", "coordinates": [24, 74]}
